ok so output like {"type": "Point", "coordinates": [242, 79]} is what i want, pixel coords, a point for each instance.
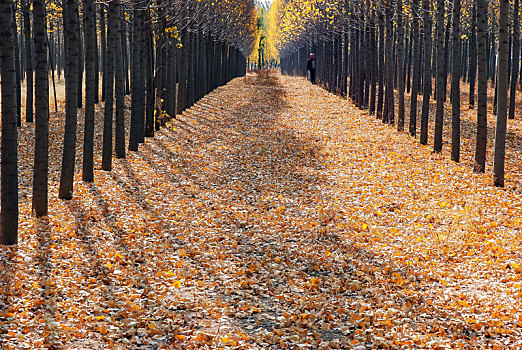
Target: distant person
{"type": "Point", "coordinates": [311, 67]}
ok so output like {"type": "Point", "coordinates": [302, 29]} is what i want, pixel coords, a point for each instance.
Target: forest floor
{"type": "Point", "coordinates": [272, 215]}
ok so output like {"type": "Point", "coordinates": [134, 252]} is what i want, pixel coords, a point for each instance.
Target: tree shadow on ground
{"type": "Point", "coordinates": [256, 157]}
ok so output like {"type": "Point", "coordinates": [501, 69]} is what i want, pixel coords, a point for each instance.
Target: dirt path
{"type": "Point", "coordinates": [271, 215]}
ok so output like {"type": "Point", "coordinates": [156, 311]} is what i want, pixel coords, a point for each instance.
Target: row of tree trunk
{"type": "Point", "coordinates": [385, 48]}
{"type": "Point", "coordinates": [169, 72]}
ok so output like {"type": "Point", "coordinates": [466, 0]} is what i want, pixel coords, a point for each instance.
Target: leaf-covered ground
{"type": "Point", "coordinates": [272, 215]}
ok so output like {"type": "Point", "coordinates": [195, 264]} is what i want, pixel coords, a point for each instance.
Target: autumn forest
{"type": "Point", "coordinates": [251, 174]}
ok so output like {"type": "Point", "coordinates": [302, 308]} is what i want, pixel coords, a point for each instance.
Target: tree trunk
{"type": "Point", "coordinates": [516, 60]}
{"type": "Point", "coordinates": [381, 70]}
{"type": "Point", "coordinates": [362, 67]}
{"type": "Point", "coordinates": [455, 84]}
{"type": "Point", "coordinates": [203, 66]}
{"type": "Point", "coordinates": [400, 65]}
{"type": "Point", "coordinates": [79, 96]}
{"type": "Point", "coordinates": [473, 56]}
{"type": "Point", "coordinates": [373, 75]}
{"type": "Point", "coordinates": [160, 78]}
{"type": "Point", "coordinates": [149, 59]}
{"type": "Point", "coordinates": [344, 71]}
{"type": "Point", "coordinates": [510, 52]}
{"type": "Point", "coordinates": [143, 71]}
{"type": "Point", "coordinates": [28, 62]}
{"type": "Point", "coordinates": [500, 134]}
{"type": "Point", "coordinates": [136, 86]}
{"type": "Point", "coordinates": [96, 61]}
{"type": "Point", "coordinates": [72, 33]}
{"type": "Point", "coordinates": [482, 87]}
{"type": "Point", "coordinates": [495, 98]}
{"type": "Point", "coordinates": [120, 84]}
{"type": "Point", "coordinates": [354, 60]}
{"type": "Point", "coordinates": [41, 144]}
{"type": "Point", "coordinates": [125, 54]}
{"type": "Point", "coordinates": [426, 79]}
{"type": "Point", "coordinates": [108, 116]}
{"type": "Point", "coordinates": [446, 58]}
{"type": "Point", "coordinates": [9, 152]}
{"type": "Point", "coordinates": [409, 57]}
{"type": "Point", "coordinates": [416, 60]}
{"type": "Point", "coordinates": [103, 39]}
{"type": "Point", "coordinates": [439, 113]}
{"type": "Point", "coordinates": [493, 58]}
{"type": "Point", "coordinates": [389, 115]}
{"type": "Point", "coordinates": [89, 26]}
{"type": "Point", "coordinates": [488, 50]}
{"type": "Point", "coordinates": [17, 68]}
{"type": "Point", "coordinates": [183, 65]}
{"type": "Point", "coordinates": [367, 65]}
{"type": "Point", "coordinates": [197, 67]}
{"type": "Point", "coordinates": [22, 49]}
{"type": "Point", "coordinates": [190, 66]}
{"type": "Point", "coordinates": [172, 83]}
{"type": "Point", "coordinates": [135, 69]}
{"type": "Point", "coordinates": [464, 65]}
{"type": "Point", "coordinates": [59, 51]}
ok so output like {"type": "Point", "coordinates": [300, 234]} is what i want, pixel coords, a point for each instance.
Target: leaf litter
{"type": "Point", "coordinates": [271, 215]}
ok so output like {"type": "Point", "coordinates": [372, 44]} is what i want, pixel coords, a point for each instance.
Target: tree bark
{"type": "Point", "coordinates": [482, 87]}
{"type": "Point", "coordinates": [389, 115]}
{"type": "Point", "coordinates": [502, 82]}
{"type": "Point", "coordinates": [381, 70]}
{"type": "Point", "coordinates": [455, 84]}
{"type": "Point", "coordinates": [473, 56]}
{"type": "Point", "coordinates": [151, 98]}
{"type": "Point", "coordinates": [183, 66]}
{"type": "Point", "coordinates": [29, 100]}
{"type": "Point", "coordinates": [400, 65]}
{"type": "Point", "coordinates": [446, 57]}
{"type": "Point", "coordinates": [125, 54]}
{"type": "Point", "coordinates": [439, 113]}
{"type": "Point", "coordinates": [516, 60]}
{"type": "Point", "coordinates": [173, 54]}
{"type": "Point", "coordinates": [426, 79]}
{"type": "Point", "coordinates": [59, 51]}
{"type": "Point", "coordinates": [79, 96]}
{"type": "Point", "coordinates": [190, 60]}
{"type": "Point", "coordinates": [103, 42]}
{"type": "Point", "coordinates": [409, 59]}
{"type": "Point", "coordinates": [17, 68]}
{"type": "Point", "coordinates": [96, 61]}
{"type": "Point", "coordinates": [89, 12]}
{"type": "Point", "coordinates": [108, 115]}
{"type": "Point", "coordinates": [493, 60]}
{"type": "Point", "coordinates": [142, 73]}
{"type": "Point", "coordinates": [9, 152]}
{"type": "Point", "coordinates": [135, 84]}
{"type": "Point", "coordinates": [119, 85]}
{"type": "Point", "coordinates": [72, 32]}
{"type": "Point", "coordinates": [41, 144]}
{"type": "Point", "coordinates": [416, 58]}
{"type": "Point", "coordinates": [373, 75]}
